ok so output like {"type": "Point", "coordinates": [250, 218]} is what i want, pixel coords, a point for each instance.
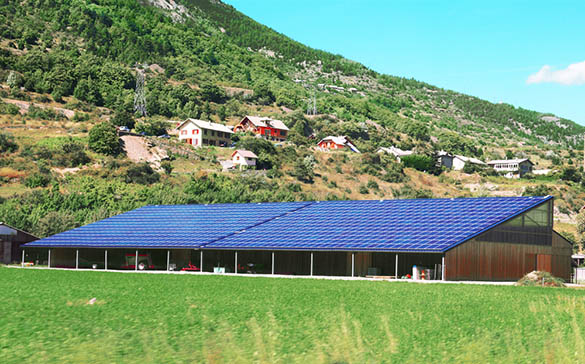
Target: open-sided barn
{"type": "Point", "coordinates": [455, 239]}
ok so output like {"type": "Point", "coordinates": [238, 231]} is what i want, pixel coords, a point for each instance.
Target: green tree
{"type": "Point", "coordinates": [213, 93]}
{"type": "Point", "coordinates": [152, 127]}
{"type": "Point", "coordinates": [124, 118]}
{"type": "Point", "coordinates": [55, 222]}
{"type": "Point", "coordinates": [103, 139]}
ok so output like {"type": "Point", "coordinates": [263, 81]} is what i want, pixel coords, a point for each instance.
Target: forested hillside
{"type": "Point", "coordinates": [69, 65]}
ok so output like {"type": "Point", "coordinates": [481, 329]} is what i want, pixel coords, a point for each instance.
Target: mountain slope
{"type": "Point", "coordinates": [67, 65]}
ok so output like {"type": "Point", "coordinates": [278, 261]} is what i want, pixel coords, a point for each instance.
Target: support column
{"type": "Point", "coordinates": [136, 262]}
{"type": "Point", "coordinates": [396, 267]}
{"type": "Point", "coordinates": [168, 260]}
{"type": "Point", "coordinates": [272, 262]}
{"type": "Point", "coordinates": [49, 259]}
{"type": "Point", "coordinates": [106, 260]}
{"type": "Point", "coordinates": [236, 263]}
{"type": "Point", "coordinates": [443, 278]}
{"type": "Point", "coordinates": [76, 258]}
{"type": "Point", "coordinates": [201, 261]}
{"type": "Point", "coordinates": [311, 263]}
{"type": "Point", "coordinates": [22, 264]}
{"type": "Point", "coordinates": [352, 264]}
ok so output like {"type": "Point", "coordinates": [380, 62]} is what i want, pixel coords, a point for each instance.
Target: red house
{"type": "Point", "coordinates": [264, 126]}
{"type": "Point", "coordinates": [337, 142]}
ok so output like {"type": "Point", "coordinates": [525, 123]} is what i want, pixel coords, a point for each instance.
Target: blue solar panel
{"type": "Point", "coordinates": [429, 225]}
{"type": "Point", "coordinates": [422, 225]}
{"type": "Point", "coordinates": [174, 226]}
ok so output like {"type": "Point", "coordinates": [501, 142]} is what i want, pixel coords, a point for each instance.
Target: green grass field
{"type": "Point", "coordinates": [148, 318]}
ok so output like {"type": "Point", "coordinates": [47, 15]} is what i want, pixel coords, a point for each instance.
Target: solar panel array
{"type": "Point", "coordinates": [170, 226]}
{"type": "Point", "coordinates": [422, 225]}
{"type": "Point", "coordinates": [429, 225]}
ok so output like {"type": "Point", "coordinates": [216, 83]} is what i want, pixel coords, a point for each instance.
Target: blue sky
{"type": "Point", "coordinates": [495, 50]}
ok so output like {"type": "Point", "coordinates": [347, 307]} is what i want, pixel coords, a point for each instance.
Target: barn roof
{"type": "Point", "coordinates": [420, 225]}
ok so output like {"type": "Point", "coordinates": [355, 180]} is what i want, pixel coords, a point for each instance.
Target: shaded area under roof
{"type": "Point", "coordinates": [421, 225]}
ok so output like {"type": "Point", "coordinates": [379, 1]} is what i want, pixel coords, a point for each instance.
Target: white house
{"type": "Point", "coordinates": [457, 162]}
{"type": "Point", "coordinates": [337, 142]}
{"type": "Point", "coordinates": [244, 158]}
{"type": "Point", "coordinates": [396, 152]}
{"type": "Point", "coordinates": [512, 168]}
{"type": "Point", "coordinates": [199, 132]}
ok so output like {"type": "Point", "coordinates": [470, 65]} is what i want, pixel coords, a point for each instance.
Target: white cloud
{"type": "Point", "coordinates": [574, 74]}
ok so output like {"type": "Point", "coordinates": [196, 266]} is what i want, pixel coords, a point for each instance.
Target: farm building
{"type": "Point", "coordinates": [265, 127]}
{"type": "Point", "coordinates": [11, 240]}
{"type": "Point", "coordinates": [199, 132]}
{"type": "Point", "coordinates": [512, 168]}
{"type": "Point", "coordinates": [457, 162]}
{"type": "Point", "coordinates": [337, 143]}
{"type": "Point", "coordinates": [499, 238]}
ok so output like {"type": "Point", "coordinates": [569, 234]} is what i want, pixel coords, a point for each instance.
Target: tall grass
{"type": "Point", "coordinates": [141, 318]}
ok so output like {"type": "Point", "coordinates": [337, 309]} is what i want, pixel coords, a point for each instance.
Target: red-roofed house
{"type": "Point", "coordinates": [244, 158]}
{"type": "Point", "coordinates": [336, 143]}
{"type": "Point", "coordinates": [268, 128]}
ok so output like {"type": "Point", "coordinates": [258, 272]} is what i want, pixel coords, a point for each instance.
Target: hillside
{"type": "Point", "coordinates": [66, 66]}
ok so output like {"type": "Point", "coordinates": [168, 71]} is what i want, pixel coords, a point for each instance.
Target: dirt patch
{"type": "Point", "coordinates": [138, 149]}
{"type": "Point", "coordinates": [25, 105]}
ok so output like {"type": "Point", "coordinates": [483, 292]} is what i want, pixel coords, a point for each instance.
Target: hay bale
{"type": "Point", "coordinates": [540, 278]}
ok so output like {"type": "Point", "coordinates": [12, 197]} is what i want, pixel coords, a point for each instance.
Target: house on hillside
{"type": "Point", "coordinates": [199, 133]}
{"type": "Point", "coordinates": [457, 162]}
{"type": "Point", "coordinates": [245, 159]}
{"type": "Point", "coordinates": [265, 127]}
{"type": "Point", "coordinates": [396, 152]}
{"type": "Point", "coordinates": [11, 240]}
{"type": "Point", "coordinates": [337, 143]}
{"type": "Point", "coordinates": [512, 168]}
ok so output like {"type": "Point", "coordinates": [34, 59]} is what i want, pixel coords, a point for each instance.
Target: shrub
{"type": "Point", "coordinates": [167, 167]}
{"type": "Point", "coordinates": [373, 185]}
{"type": "Point", "coordinates": [303, 169]}
{"type": "Point", "coordinates": [7, 143]}
{"type": "Point", "coordinates": [540, 190]}
{"type": "Point", "coordinates": [9, 109]}
{"type": "Point", "coordinates": [364, 190]}
{"type": "Point", "coordinates": [418, 162]}
{"type": "Point", "coordinates": [142, 174]}
{"type": "Point", "coordinates": [103, 139]}
{"type": "Point", "coordinates": [72, 155]}
{"type": "Point", "coordinates": [570, 174]}
{"type": "Point", "coordinates": [37, 180]}
{"type": "Point", "coordinates": [394, 173]}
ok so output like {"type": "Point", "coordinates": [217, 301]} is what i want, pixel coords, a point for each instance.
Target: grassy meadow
{"type": "Point", "coordinates": [146, 318]}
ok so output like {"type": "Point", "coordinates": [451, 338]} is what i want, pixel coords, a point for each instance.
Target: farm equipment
{"type": "Point", "coordinates": [144, 262]}
{"type": "Point", "coordinates": [190, 268]}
